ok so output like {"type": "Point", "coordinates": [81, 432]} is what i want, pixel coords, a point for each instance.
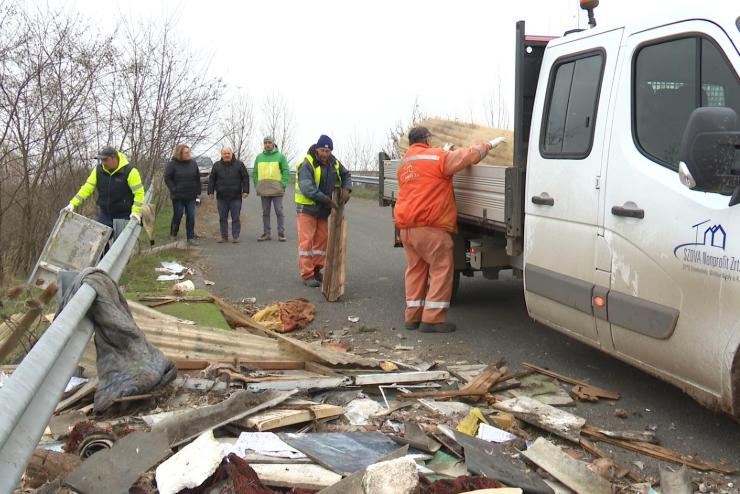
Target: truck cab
{"type": "Point", "coordinates": [617, 252]}
{"type": "Point", "coordinates": [619, 207]}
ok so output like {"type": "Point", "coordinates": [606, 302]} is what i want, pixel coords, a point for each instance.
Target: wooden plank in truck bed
{"type": "Point", "coordinates": [480, 192]}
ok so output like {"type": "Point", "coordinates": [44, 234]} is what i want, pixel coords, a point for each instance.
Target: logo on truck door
{"type": "Point", "coordinates": [706, 254]}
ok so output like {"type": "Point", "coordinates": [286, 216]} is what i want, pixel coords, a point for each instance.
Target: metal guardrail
{"type": "Point", "coordinates": [29, 397]}
{"type": "Point", "coordinates": [365, 179]}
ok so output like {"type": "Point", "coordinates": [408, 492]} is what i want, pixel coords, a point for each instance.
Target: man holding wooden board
{"type": "Point", "coordinates": [426, 214]}
{"type": "Point", "coordinates": [316, 177]}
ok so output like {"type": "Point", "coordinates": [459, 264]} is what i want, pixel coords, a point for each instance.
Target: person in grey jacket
{"type": "Point", "coordinates": [230, 180]}
{"type": "Point", "coordinates": [316, 177]}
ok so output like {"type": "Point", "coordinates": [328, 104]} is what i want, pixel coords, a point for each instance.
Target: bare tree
{"type": "Point", "coordinates": [237, 126]}
{"type": "Point", "coordinates": [497, 112]}
{"type": "Point", "coordinates": [359, 153]}
{"type": "Point", "coordinates": [395, 133]}
{"type": "Point", "coordinates": [278, 121]}
{"type": "Point", "coordinates": [64, 92]}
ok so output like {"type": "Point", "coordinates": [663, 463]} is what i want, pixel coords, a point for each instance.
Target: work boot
{"type": "Point", "coordinates": [411, 325]}
{"type": "Point", "coordinates": [192, 242]}
{"type": "Point", "coordinates": [437, 327]}
{"type": "Point", "coordinates": [311, 282]}
{"type": "Point", "coordinates": [281, 237]}
{"type": "Point", "coordinates": [223, 240]}
{"type": "Point", "coordinates": [235, 240]}
{"type": "Point", "coordinates": [264, 237]}
{"type": "Point", "coordinates": [317, 275]}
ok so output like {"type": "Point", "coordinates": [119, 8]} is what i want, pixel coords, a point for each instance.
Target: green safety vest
{"type": "Point", "coordinates": [300, 198]}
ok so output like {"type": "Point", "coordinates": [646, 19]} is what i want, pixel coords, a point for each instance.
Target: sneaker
{"type": "Point", "coordinates": [437, 327]}
{"type": "Point", "coordinates": [234, 240]}
{"type": "Point", "coordinates": [192, 242]}
{"type": "Point", "coordinates": [264, 237]}
{"type": "Point", "coordinates": [318, 275]}
{"type": "Point", "coordinates": [282, 238]}
{"type": "Point", "coordinates": [411, 325]}
{"type": "Point", "coordinates": [311, 282]}
{"type": "Point", "coordinates": [223, 240]}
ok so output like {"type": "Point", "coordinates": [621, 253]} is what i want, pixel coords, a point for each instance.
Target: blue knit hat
{"type": "Point", "coordinates": [325, 142]}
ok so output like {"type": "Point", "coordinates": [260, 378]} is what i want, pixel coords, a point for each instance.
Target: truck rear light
{"type": "Point", "coordinates": [599, 301]}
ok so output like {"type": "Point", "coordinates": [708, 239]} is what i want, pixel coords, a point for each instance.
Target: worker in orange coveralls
{"type": "Point", "coordinates": [426, 214]}
{"type": "Point", "coordinates": [316, 177]}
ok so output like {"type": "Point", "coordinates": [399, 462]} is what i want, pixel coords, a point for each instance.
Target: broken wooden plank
{"type": "Point", "coordinates": [598, 453]}
{"type": "Point", "coordinates": [273, 419]}
{"type": "Point", "coordinates": [312, 383]}
{"type": "Point", "coordinates": [298, 476]}
{"type": "Point", "coordinates": [336, 248]}
{"type": "Point", "coordinates": [241, 404]}
{"type": "Point", "coordinates": [659, 452]}
{"type": "Point", "coordinates": [581, 389]}
{"type": "Point", "coordinates": [571, 472]}
{"type": "Point", "coordinates": [400, 377]}
{"type": "Point", "coordinates": [83, 392]}
{"type": "Point", "coordinates": [116, 469]}
{"type": "Point", "coordinates": [236, 318]}
{"type": "Point", "coordinates": [23, 325]}
{"type": "Point", "coordinates": [544, 416]}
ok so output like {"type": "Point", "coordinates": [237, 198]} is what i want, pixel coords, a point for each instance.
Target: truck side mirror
{"type": "Point", "coordinates": [708, 149]}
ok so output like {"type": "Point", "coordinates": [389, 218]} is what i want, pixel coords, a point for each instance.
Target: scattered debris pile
{"type": "Point", "coordinates": [256, 411]}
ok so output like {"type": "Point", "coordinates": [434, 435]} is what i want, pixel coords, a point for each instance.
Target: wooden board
{"type": "Point", "coordinates": [571, 472]}
{"type": "Point", "coordinates": [310, 477]}
{"type": "Point", "coordinates": [336, 247]}
{"type": "Point", "coordinates": [545, 417]}
{"type": "Point", "coordinates": [400, 377]}
{"type": "Point", "coordinates": [276, 418]}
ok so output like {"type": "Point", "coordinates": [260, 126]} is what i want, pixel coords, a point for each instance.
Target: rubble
{"type": "Point", "coordinates": [276, 413]}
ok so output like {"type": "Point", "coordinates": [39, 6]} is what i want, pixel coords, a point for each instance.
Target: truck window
{"type": "Point", "coordinates": [672, 79]}
{"type": "Point", "coordinates": [572, 100]}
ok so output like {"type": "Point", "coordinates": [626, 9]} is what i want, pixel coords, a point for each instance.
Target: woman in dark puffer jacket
{"type": "Point", "coordinates": [183, 179]}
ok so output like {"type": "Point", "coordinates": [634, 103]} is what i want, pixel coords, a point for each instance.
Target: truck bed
{"type": "Point", "coordinates": [479, 193]}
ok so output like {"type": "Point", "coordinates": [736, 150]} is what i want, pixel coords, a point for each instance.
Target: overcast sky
{"type": "Point", "coordinates": [356, 67]}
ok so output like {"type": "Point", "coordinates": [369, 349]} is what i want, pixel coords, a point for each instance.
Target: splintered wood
{"type": "Point", "coordinates": [333, 285]}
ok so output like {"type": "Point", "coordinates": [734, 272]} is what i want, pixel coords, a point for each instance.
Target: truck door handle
{"type": "Point", "coordinates": [629, 210]}
{"type": "Point", "coordinates": [543, 200]}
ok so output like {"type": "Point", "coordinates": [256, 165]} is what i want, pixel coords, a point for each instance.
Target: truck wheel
{"type": "Point", "coordinates": [455, 284]}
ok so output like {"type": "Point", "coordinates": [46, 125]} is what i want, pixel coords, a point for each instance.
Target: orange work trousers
{"type": "Point", "coordinates": [429, 271]}
{"type": "Point", "coordinates": [313, 233]}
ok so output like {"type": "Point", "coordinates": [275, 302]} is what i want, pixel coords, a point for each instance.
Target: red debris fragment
{"type": "Point", "coordinates": [458, 485]}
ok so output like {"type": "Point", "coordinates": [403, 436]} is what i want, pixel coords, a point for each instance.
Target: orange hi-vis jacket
{"type": "Point", "coordinates": [425, 194]}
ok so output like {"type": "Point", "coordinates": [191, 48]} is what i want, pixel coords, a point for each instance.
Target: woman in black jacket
{"type": "Point", "coordinates": [182, 177]}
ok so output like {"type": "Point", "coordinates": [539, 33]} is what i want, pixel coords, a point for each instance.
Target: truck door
{"type": "Point", "coordinates": [563, 170]}
{"type": "Point", "coordinates": [675, 282]}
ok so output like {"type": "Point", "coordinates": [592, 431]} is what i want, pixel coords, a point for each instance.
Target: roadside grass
{"type": "Point", "coordinates": [140, 278]}
{"type": "Point", "coordinates": [365, 193]}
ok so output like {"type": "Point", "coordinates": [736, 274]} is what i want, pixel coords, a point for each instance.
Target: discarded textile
{"type": "Point", "coordinates": [286, 316]}
{"type": "Point", "coordinates": [235, 476]}
{"type": "Point", "coordinates": [127, 364]}
{"type": "Point", "coordinates": [455, 486]}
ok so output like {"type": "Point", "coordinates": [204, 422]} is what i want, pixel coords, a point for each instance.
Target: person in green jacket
{"type": "Point", "coordinates": [270, 176]}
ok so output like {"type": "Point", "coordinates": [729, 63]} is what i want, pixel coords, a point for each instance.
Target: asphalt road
{"type": "Point", "coordinates": [491, 316]}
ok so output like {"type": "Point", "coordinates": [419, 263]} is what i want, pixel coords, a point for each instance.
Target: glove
{"type": "Point", "coordinates": [495, 142]}
{"type": "Point", "coordinates": [449, 146]}
{"type": "Point", "coordinates": [344, 195]}
{"type": "Point", "coordinates": [197, 200]}
{"type": "Point", "coordinates": [68, 207]}
{"type": "Point", "coordinates": [136, 217]}
{"type": "Point", "coordinates": [332, 204]}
